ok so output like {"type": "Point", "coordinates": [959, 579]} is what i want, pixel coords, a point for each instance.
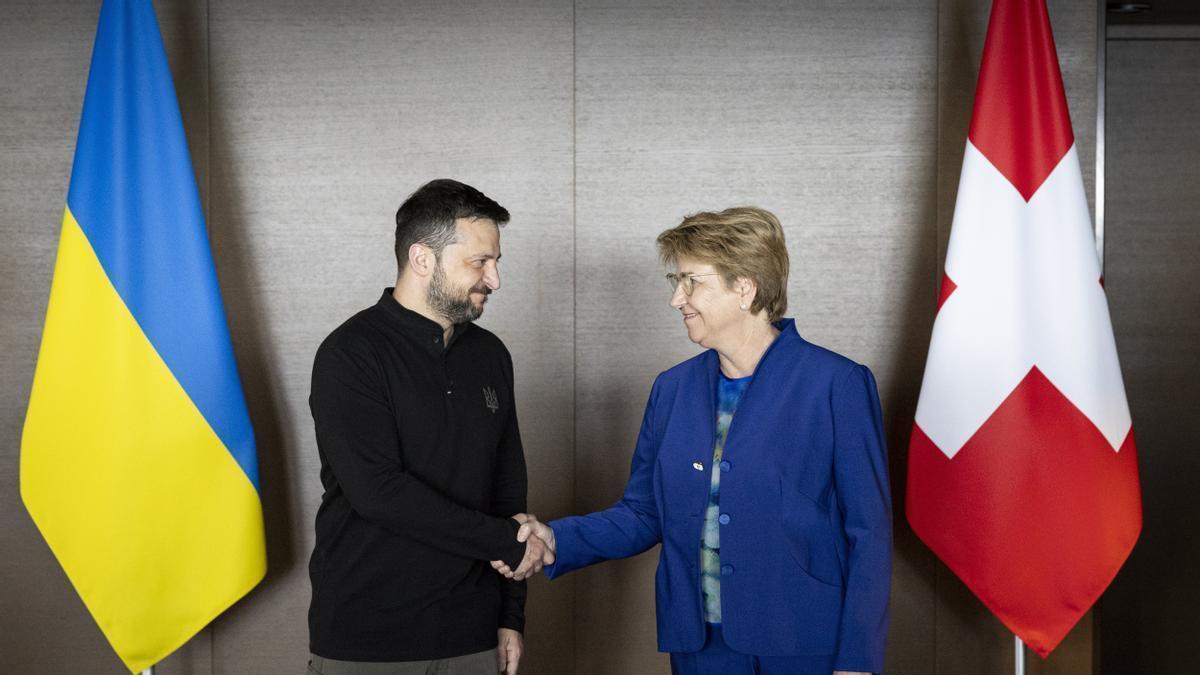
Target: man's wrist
{"type": "Point", "coordinates": [513, 623]}
{"type": "Point", "coordinates": [513, 551]}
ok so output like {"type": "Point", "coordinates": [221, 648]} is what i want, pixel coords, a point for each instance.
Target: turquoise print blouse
{"type": "Point", "coordinates": [729, 392]}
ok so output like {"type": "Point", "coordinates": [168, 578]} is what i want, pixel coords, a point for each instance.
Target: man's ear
{"type": "Point", "coordinates": [421, 259]}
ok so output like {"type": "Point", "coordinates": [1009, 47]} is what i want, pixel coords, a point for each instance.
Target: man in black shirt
{"type": "Point", "coordinates": [421, 461]}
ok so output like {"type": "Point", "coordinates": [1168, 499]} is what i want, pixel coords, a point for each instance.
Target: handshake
{"type": "Point", "coordinates": [539, 548]}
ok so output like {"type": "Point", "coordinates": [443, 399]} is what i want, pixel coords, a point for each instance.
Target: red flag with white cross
{"type": "Point", "coordinates": [1022, 471]}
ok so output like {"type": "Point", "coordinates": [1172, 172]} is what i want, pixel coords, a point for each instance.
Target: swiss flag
{"type": "Point", "coordinates": [1022, 470]}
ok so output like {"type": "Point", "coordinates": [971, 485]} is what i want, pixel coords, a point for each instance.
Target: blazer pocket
{"type": "Point", "coordinates": [683, 487]}
{"type": "Point", "coordinates": [809, 536]}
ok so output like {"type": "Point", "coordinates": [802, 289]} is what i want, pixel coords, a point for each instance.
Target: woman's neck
{"type": "Point", "coordinates": [740, 357]}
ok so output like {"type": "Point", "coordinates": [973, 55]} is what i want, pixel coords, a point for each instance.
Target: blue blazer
{"type": "Point", "coordinates": [806, 554]}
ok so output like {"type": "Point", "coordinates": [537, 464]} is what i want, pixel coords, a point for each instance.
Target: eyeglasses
{"type": "Point", "coordinates": [687, 280]}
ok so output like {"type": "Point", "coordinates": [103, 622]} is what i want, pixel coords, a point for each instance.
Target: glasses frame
{"type": "Point", "coordinates": [688, 281]}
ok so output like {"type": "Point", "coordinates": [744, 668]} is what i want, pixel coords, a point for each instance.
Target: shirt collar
{"type": "Point", "coordinates": [427, 331]}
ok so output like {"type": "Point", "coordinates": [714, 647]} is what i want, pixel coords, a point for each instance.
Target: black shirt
{"type": "Point", "coordinates": [422, 466]}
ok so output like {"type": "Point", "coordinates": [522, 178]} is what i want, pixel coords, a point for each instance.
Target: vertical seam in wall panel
{"type": "Point", "coordinates": [574, 320]}
{"type": "Point", "coordinates": [1101, 69]}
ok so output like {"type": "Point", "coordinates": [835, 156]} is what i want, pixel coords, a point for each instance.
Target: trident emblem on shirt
{"type": "Point", "coordinates": [490, 400]}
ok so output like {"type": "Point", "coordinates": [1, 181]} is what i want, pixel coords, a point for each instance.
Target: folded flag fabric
{"type": "Point", "coordinates": [138, 462]}
{"type": "Point", "coordinates": [1023, 471]}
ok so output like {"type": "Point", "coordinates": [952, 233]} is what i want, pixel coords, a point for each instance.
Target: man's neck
{"type": "Point", "coordinates": [413, 298]}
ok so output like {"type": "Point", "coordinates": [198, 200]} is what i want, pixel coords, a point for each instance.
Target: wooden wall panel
{"type": "Point", "coordinates": [325, 118]}
{"type": "Point", "coordinates": [823, 114]}
{"type": "Point", "coordinates": [597, 125]}
{"type": "Point", "coordinates": [1148, 619]}
{"type": "Point", "coordinates": [46, 48]}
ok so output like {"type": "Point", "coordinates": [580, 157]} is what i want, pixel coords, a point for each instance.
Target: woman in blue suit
{"type": "Point", "coordinates": [760, 468]}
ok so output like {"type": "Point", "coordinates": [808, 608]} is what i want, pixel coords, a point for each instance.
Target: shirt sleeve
{"type": "Point", "coordinates": [356, 435]}
{"type": "Point", "coordinates": [509, 494]}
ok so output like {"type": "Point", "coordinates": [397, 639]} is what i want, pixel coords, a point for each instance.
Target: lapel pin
{"type": "Point", "coordinates": [697, 466]}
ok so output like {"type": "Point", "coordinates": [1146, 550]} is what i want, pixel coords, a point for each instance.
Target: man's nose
{"type": "Point", "coordinates": [491, 277]}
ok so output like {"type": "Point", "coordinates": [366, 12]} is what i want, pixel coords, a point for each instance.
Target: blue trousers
{"type": "Point", "coordinates": [716, 658]}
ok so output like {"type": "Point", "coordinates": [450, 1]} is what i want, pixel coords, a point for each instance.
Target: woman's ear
{"type": "Point", "coordinates": [747, 290]}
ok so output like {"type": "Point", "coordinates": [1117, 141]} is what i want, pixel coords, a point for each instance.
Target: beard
{"type": "Point", "coordinates": [453, 303]}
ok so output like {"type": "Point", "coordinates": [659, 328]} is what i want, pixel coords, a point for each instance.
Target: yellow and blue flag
{"type": "Point", "coordinates": [138, 462]}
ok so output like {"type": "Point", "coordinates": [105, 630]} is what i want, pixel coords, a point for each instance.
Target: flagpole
{"type": "Point", "coordinates": [1019, 660]}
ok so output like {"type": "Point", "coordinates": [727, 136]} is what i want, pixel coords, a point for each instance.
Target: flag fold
{"type": "Point", "coordinates": [138, 462]}
{"type": "Point", "coordinates": [1022, 470]}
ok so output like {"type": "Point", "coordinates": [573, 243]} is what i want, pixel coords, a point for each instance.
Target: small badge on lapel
{"type": "Point", "coordinates": [697, 466]}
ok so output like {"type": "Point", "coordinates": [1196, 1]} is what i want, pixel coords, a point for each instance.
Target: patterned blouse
{"type": "Point", "coordinates": [729, 392]}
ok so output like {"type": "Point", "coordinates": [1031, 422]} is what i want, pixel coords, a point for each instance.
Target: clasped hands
{"type": "Point", "coordinates": [539, 548]}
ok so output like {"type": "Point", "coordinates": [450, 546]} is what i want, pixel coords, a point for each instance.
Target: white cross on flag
{"type": "Point", "coordinates": [1022, 470]}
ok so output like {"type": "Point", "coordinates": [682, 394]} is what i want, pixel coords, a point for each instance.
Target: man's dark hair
{"type": "Point", "coordinates": [427, 216]}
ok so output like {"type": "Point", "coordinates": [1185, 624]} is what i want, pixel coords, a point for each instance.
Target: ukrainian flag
{"type": "Point", "coordinates": [138, 462]}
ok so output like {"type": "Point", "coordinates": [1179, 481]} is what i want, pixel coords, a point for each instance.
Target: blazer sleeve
{"type": "Point", "coordinates": [864, 499]}
{"type": "Point", "coordinates": [626, 528]}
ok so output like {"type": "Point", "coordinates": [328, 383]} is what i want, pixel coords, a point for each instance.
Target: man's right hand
{"type": "Point", "coordinates": [539, 548]}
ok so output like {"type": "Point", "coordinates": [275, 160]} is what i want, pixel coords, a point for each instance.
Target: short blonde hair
{"type": "Point", "coordinates": [744, 242]}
